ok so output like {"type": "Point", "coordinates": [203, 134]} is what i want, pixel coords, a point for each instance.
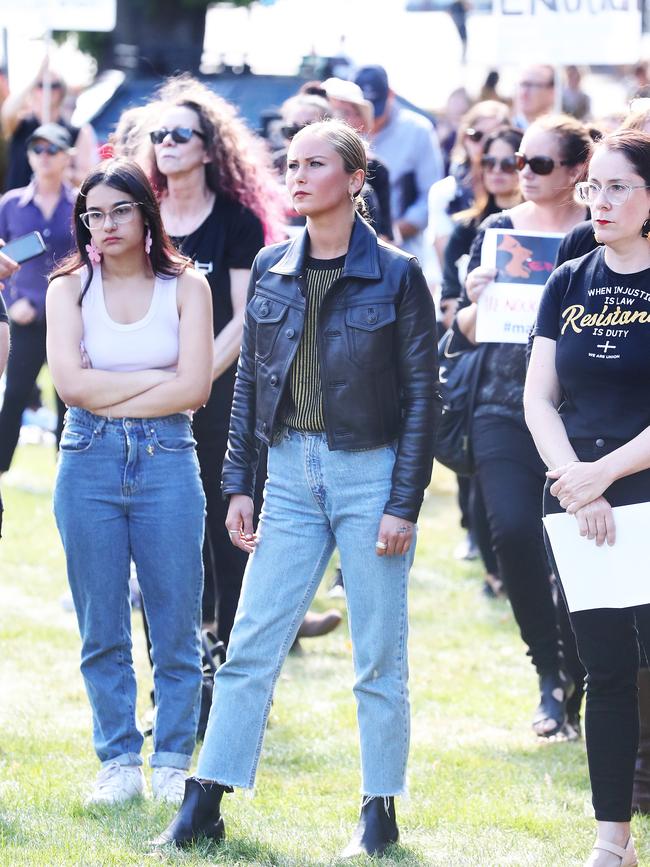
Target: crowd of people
{"type": "Point", "coordinates": [243, 344]}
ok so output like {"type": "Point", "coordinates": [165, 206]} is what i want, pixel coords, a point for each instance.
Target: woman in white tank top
{"type": "Point", "coordinates": [130, 350]}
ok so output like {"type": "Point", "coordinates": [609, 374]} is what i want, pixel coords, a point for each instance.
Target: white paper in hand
{"type": "Point", "coordinates": [603, 577]}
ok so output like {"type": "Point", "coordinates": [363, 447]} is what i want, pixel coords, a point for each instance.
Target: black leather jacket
{"type": "Point", "coordinates": [378, 361]}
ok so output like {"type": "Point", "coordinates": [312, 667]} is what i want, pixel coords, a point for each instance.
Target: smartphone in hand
{"type": "Point", "coordinates": [24, 248]}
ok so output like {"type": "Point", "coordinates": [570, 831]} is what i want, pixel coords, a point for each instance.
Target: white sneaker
{"type": "Point", "coordinates": [168, 784]}
{"type": "Point", "coordinates": [117, 783]}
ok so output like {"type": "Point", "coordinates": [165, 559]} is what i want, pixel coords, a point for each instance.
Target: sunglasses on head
{"type": "Point", "coordinates": [289, 131]}
{"type": "Point", "coordinates": [507, 164]}
{"type": "Point", "coordinates": [50, 149]}
{"type": "Point", "coordinates": [179, 134]}
{"type": "Point", "coordinates": [474, 135]}
{"type": "Point", "coordinates": [538, 165]}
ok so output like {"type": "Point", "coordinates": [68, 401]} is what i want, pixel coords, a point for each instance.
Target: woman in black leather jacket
{"type": "Point", "coordinates": [338, 375]}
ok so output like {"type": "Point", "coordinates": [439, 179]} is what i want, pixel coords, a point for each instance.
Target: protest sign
{"type": "Point", "coordinates": [523, 261]}
{"type": "Point", "coordinates": [567, 31]}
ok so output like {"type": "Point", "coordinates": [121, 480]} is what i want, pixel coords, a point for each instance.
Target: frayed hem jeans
{"type": "Point", "coordinates": [315, 500]}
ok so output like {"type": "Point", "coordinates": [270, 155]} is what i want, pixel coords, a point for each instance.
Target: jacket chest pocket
{"type": "Point", "coordinates": [269, 316]}
{"type": "Point", "coordinates": [370, 335]}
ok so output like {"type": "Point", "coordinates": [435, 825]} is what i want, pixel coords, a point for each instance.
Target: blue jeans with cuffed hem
{"type": "Point", "coordinates": [316, 500]}
{"type": "Point", "coordinates": [129, 489]}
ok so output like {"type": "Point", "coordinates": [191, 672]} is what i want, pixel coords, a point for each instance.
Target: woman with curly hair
{"type": "Point", "coordinates": [219, 203]}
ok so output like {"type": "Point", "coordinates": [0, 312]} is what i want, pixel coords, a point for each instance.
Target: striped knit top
{"type": "Point", "coordinates": [305, 407]}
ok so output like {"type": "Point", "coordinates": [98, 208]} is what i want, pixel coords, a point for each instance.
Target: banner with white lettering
{"type": "Point", "coordinates": [560, 32]}
{"type": "Point", "coordinates": [523, 261]}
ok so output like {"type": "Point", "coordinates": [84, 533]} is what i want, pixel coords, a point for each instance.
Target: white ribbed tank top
{"type": "Point", "coordinates": [151, 342]}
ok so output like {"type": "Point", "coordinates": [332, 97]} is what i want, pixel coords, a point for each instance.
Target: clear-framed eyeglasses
{"type": "Point", "coordinates": [122, 213]}
{"type": "Point", "coordinates": [616, 193]}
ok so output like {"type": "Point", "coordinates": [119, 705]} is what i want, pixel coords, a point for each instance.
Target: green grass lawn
{"type": "Point", "coordinates": [483, 792]}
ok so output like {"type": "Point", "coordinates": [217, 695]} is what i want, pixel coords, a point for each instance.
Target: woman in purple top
{"type": "Point", "coordinates": [44, 205]}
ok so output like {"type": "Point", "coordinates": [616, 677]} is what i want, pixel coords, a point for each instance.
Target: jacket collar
{"type": "Point", "coordinates": [362, 258]}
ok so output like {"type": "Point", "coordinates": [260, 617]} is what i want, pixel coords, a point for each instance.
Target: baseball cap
{"type": "Point", "coordinates": [348, 91]}
{"type": "Point", "coordinates": [54, 133]}
{"type": "Point", "coordinates": [373, 82]}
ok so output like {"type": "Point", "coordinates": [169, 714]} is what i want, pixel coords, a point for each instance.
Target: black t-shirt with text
{"type": "Point", "coordinates": [600, 321]}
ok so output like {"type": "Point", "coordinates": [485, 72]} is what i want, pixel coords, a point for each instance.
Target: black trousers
{"type": "Point", "coordinates": [223, 563]}
{"type": "Point", "coordinates": [511, 477]}
{"type": "Point", "coordinates": [473, 517]}
{"type": "Point", "coordinates": [609, 642]}
{"type": "Point", "coordinates": [26, 358]}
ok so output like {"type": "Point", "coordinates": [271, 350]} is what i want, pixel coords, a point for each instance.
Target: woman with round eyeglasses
{"type": "Point", "coordinates": [510, 473]}
{"type": "Point", "coordinates": [129, 345]}
{"type": "Point", "coordinates": [587, 403]}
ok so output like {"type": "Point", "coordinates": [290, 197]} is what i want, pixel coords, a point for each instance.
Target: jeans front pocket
{"type": "Point", "coordinates": [76, 438]}
{"type": "Point", "coordinates": [174, 438]}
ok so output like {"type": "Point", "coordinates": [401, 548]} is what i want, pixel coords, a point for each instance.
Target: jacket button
{"type": "Point", "coordinates": [274, 380]}
{"type": "Point", "coordinates": [372, 317]}
{"type": "Point", "coordinates": [264, 310]}
{"type": "Point", "coordinates": [290, 333]}
{"type": "Point", "coordinates": [265, 427]}
{"type": "Point", "coordinates": [600, 442]}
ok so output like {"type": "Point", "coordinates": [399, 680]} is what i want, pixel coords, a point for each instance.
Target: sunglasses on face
{"type": "Point", "coordinates": [54, 85]}
{"type": "Point", "coordinates": [179, 134]}
{"type": "Point", "coordinates": [288, 132]}
{"type": "Point", "coordinates": [50, 149]}
{"type": "Point", "coordinates": [538, 165]}
{"type": "Point", "coordinates": [507, 164]}
{"type": "Point", "coordinates": [474, 135]}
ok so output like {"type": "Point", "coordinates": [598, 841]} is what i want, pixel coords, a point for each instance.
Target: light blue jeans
{"type": "Point", "coordinates": [129, 489]}
{"type": "Point", "coordinates": [316, 500]}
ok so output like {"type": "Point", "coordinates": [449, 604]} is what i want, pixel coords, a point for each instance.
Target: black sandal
{"type": "Point", "coordinates": [555, 689]}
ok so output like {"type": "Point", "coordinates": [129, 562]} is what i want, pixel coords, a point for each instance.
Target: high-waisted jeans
{"type": "Point", "coordinates": [129, 489]}
{"type": "Point", "coordinates": [316, 500]}
{"type": "Point", "coordinates": [608, 642]}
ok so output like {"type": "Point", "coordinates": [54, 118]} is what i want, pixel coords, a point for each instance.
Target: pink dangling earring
{"type": "Point", "coordinates": [148, 241]}
{"type": "Point", "coordinates": [94, 253]}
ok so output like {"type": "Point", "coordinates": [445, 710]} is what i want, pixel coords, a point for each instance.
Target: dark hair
{"type": "Point", "coordinates": [485, 205]}
{"type": "Point", "coordinates": [634, 145]}
{"type": "Point", "coordinates": [127, 177]}
{"type": "Point", "coordinates": [574, 137]}
{"type": "Point", "coordinates": [239, 165]}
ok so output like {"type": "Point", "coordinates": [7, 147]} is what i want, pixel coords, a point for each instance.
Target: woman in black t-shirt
{"type": "Point", "coordinates": [219, 203]}
{"type": "Point", "coordinates": [587, 404]}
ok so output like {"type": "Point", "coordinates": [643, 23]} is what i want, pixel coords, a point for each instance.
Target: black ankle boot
{"type": "Point", "coordinates": [198, 815]}
{"type": "Point", "coordinates": [376, 830]}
